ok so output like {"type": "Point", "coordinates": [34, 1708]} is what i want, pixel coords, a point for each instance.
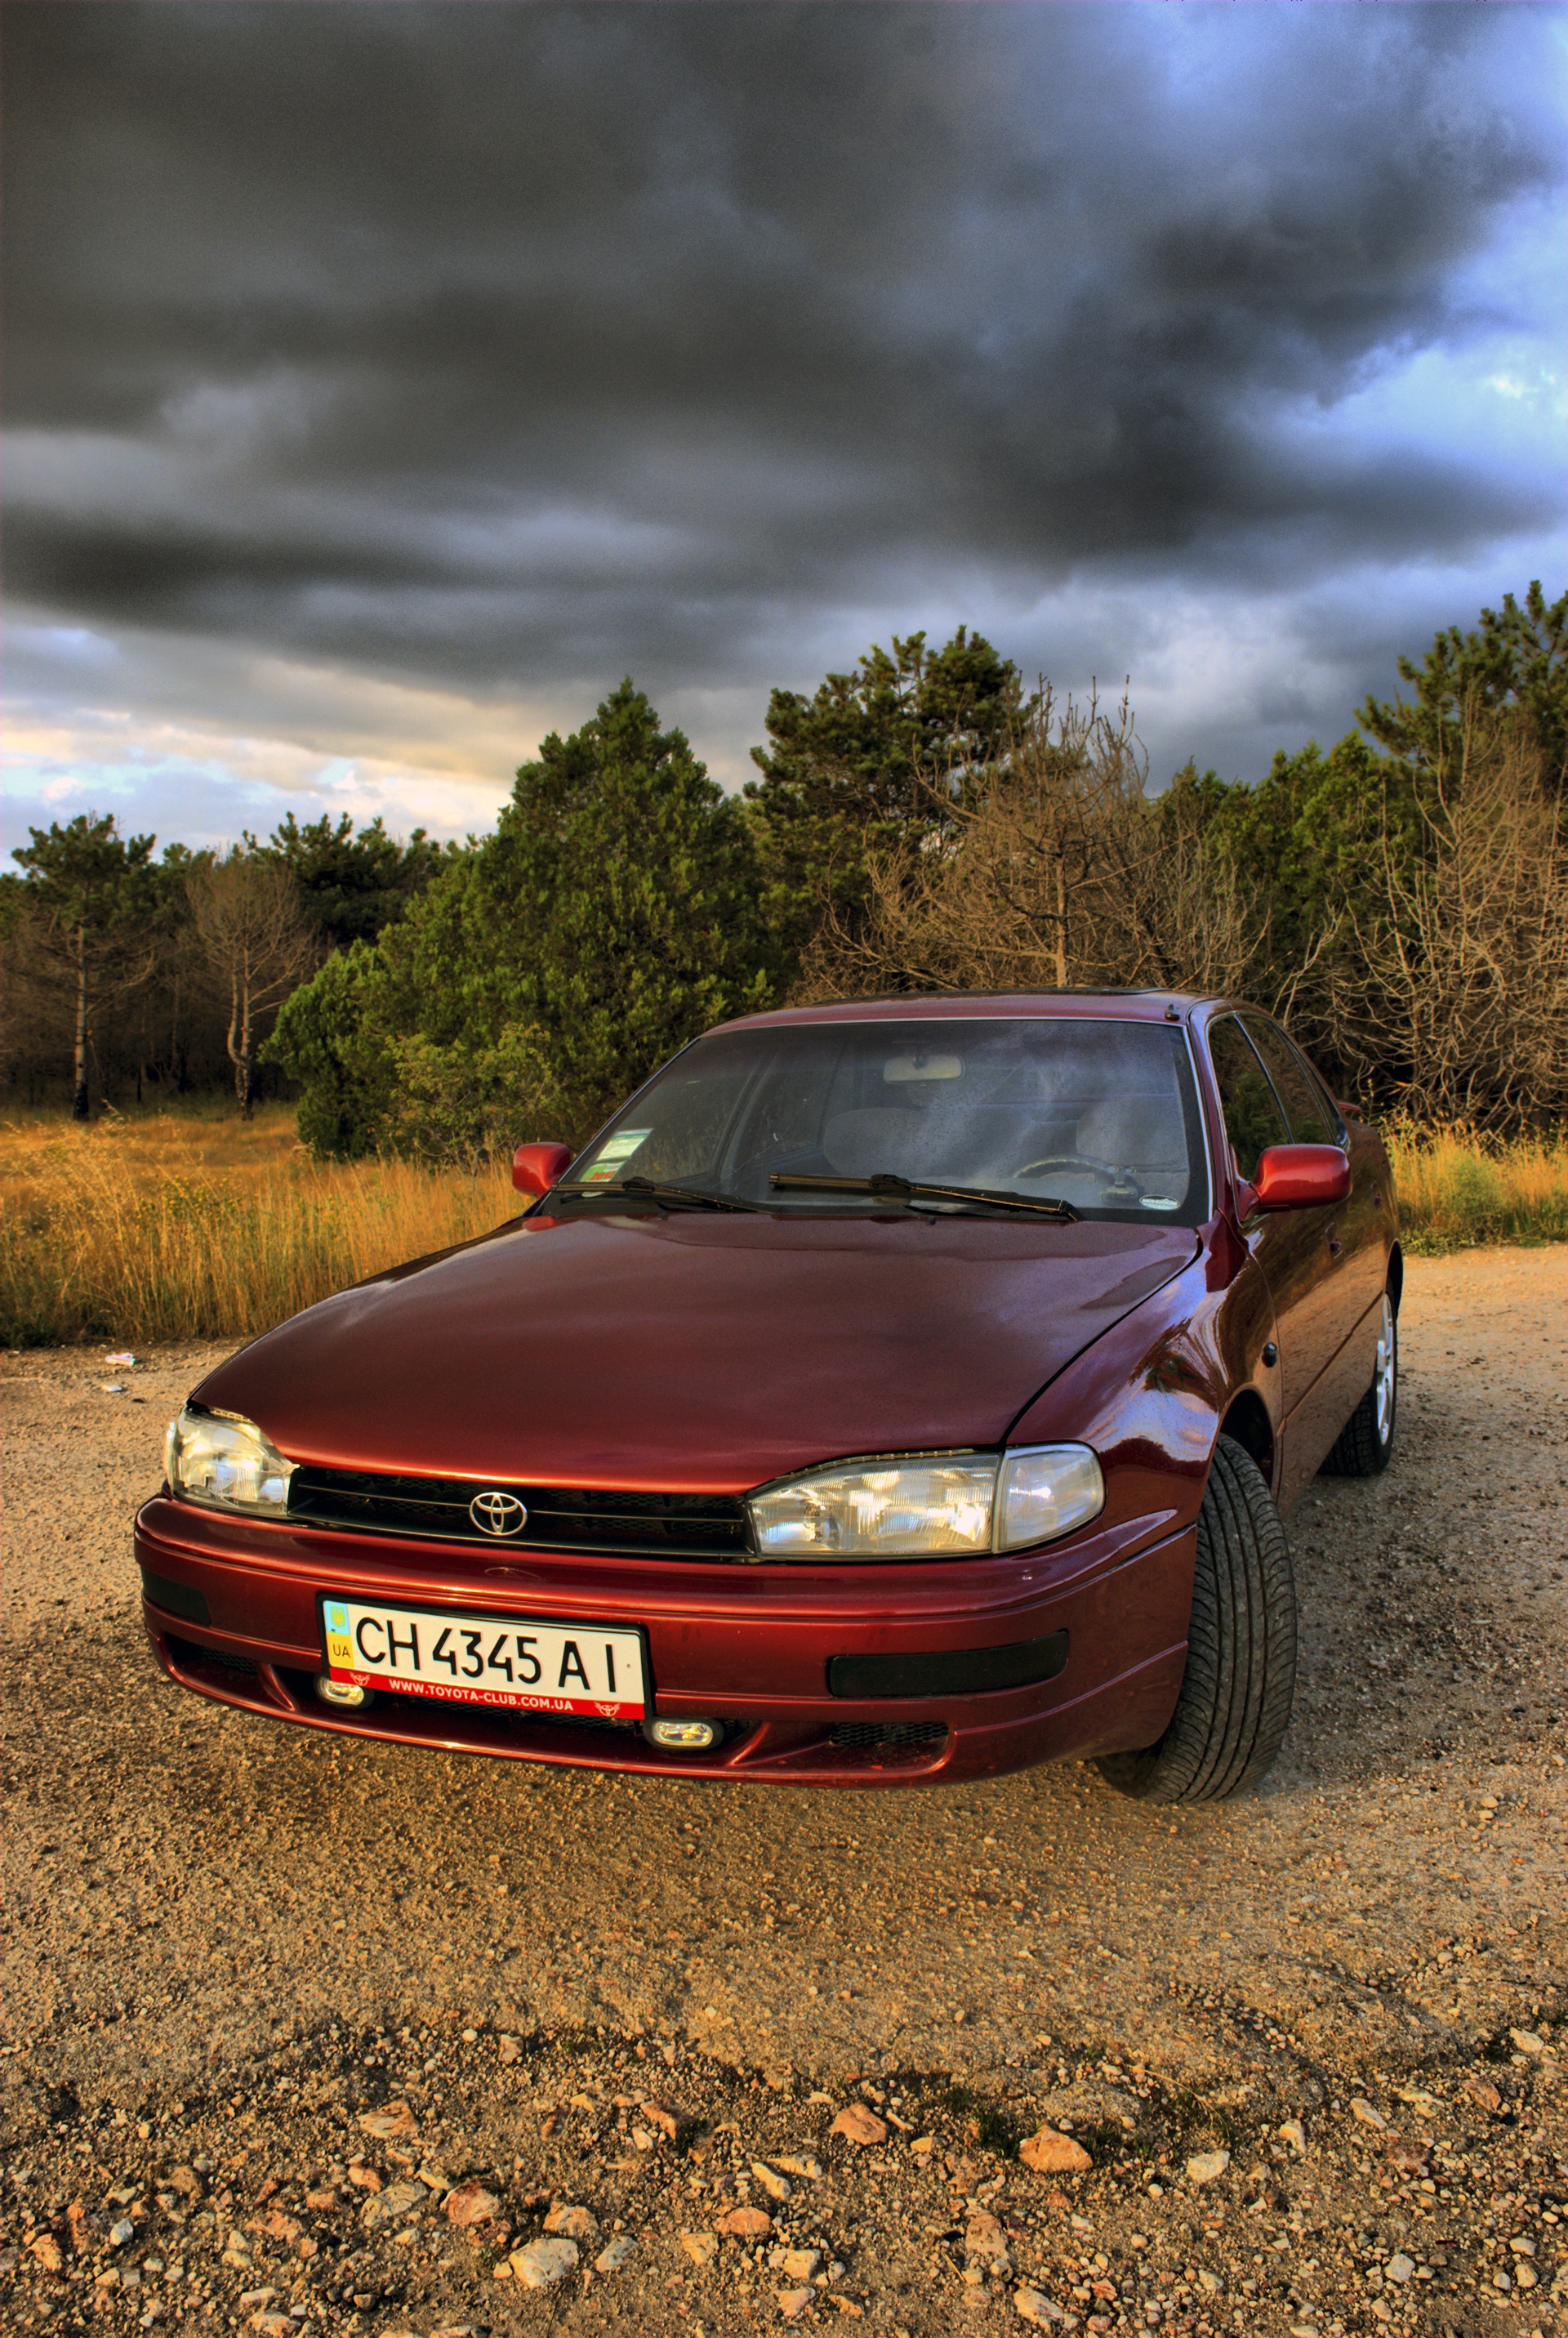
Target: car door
{"type": "Point", "coordinates": [1358, 1228]}
{"type": "Point", "coordinates": [1291, 1246]}
{"type": "Point", "coordinates": [1330, 1311]}
{"type": "Point", "coordinates": [1350, 1294]}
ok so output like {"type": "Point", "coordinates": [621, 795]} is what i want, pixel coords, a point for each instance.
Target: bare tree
{"type": "Point", "coordinates": [256, 938]}
{"type": "Point", "coordinates": [1051, 865]}
{"type": "Point", "coordinates": [1457, 998]}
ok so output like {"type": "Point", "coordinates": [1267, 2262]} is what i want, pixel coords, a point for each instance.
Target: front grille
{"type": "Point", "coordinates": [560, 1518]}
{"type": "Point", "coordinates": [889, 1733]}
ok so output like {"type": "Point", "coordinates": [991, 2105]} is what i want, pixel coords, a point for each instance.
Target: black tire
{"type": "Point", "coordinates": [1365, 1446]}
{"type": "Point", "coordinates": [1234, 1708]}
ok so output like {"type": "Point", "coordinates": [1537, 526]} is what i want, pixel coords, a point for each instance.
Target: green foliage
{"type": "Point", "coordinates": [458, 1107]}
{"type": "Point", "coordinates": [87, 875]}
{"type": "Point", "coordinates": [330, 1037]}
{"type": "Point", "coordinates": [1306, 838]}
{"type": "Point", "coordinates": [86, 929]}
{"type": "Point", "coordinates": [624, 904]}
{"type": "Point", "coordinates": [1519, 656]}
{"type": "Point", "coordinates": [352, 886]}
{"type": "Point", "coordinates": [158, 1004]}
{"type": "Point", "coordinates": [1416, 925]}
{"type": "Point", "coordinates": [849, 772]}
{"type": "Point", "coordinates": [623, 886]}
{"type": "Point", "coordinates": [613, 916]}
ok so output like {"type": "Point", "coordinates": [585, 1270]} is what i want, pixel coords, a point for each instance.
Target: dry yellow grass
{"type": "Point", "coordinates": [177, 1225]}
{"type": "Point", "coordinates": [1456, 1188]}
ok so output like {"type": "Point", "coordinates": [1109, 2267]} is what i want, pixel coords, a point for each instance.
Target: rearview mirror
{"type": "Point", "coordinates": [537, 1167]}
{"type": "Point", "coordinates": [1300, 1177]}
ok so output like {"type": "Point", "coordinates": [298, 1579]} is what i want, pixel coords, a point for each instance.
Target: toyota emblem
{"type": "Point", "coordinates": [498, 1513]}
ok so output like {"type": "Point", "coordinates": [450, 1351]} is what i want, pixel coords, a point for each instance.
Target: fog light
{"type": "Point", "coordinates": [682, 1736]}
{"type": "Point", "coordinates": [335, 1692]}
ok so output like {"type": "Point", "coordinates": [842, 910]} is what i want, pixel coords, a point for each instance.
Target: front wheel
{"type": "Point", "coordinates": [1365, 1446]}
{"type": "Point", "coordinates": [1234, 1707]}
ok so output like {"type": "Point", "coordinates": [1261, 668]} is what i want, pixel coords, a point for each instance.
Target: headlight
{"type": "Point", "coordinates": [1046, 1491]}
{"type": "Point", "coordinates": [217, 1456]}
{"type": "Point", "coordinates": [923, 1504]}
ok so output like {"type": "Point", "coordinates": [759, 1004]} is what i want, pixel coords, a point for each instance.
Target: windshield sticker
{"type": "Point", "coordinates": [616, 1151]}
{"type": "Point", "coordinates": [1147, 1205]}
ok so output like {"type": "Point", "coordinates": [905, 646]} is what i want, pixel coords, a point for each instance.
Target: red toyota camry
{"type": "Point", "coordinates": [894, 1391]}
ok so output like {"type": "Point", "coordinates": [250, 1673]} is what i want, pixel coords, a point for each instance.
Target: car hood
{"type": "Point", "coordinates": [692, 1354]}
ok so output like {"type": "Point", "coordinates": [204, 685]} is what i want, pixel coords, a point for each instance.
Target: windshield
{"type": "Point", "coordinates": [1099, 1115]}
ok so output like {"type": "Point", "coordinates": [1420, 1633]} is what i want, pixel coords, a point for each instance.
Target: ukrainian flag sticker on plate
{"type": "Point", "coordinates": [340, 1647]}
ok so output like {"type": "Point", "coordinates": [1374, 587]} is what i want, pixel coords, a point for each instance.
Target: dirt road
{"type": "Point", "coordinates": [233, 1943]}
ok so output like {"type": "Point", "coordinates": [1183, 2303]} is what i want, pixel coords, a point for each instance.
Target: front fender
{"type": "Point", "coordinates": [1153, 1394]}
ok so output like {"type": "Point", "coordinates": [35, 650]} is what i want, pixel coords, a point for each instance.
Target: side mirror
{"type": "Point", "coordinates": [1300, 1177]}
{"type": "Point", "coordinates": [537, 1167]}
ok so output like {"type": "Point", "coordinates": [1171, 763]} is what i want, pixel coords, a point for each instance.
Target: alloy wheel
{"type": "Point", "coordinates": [1383, 1375]}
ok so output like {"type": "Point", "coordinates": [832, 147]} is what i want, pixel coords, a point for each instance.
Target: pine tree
{"type": "Point", "coordinates": [614, 914]}
{"type": "Point", "coordinates": [1518, 656]}
{"type": "Point", "coordinates": [91, 902]}
{"type": "Point", "coordinates": [856, 770]}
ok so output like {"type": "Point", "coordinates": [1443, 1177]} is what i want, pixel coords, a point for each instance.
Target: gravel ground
{"type": "Point", "coordinates": [309, 2035]}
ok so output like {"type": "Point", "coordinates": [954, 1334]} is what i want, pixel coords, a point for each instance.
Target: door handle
{"type": "Point", "coordinates": [1334, 1246]}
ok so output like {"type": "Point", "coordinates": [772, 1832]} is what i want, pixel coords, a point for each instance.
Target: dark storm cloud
{"type": "Point", "coordinates": [521, 341]}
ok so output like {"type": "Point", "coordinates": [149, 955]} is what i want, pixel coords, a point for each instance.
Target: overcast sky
{"type": "Point", "coordinates": [386, 381]}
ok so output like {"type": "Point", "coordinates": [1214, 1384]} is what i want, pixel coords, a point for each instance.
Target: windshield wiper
{"type": "Point", "coordinates": [644, 1189]}
{"type": "Point", "coordinates": [887, 1188]}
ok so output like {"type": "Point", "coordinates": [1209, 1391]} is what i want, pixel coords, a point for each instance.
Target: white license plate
{"type": "Point", "coordinates": [487, 1659]}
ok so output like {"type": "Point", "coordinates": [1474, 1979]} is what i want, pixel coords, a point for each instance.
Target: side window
{"type": "Point", "coordinates": [1325, 1095]}
{"type": "Point", "coordinates": [1294, 1085]}
{"type": "Point", "coordinates": [1253, 1120]}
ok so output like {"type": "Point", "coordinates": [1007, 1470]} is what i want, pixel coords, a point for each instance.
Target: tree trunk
{"type": "Point", "coordinates": [241, 1040]}
{"type": "Point", "coordinates": [1060, 921]}
{"type": "Point", "coordinates": [247, 1066]}
{"type": "Point", "coordinates": [178, 1056]}
{"type": "Point", "coordinates": [79, 1091]}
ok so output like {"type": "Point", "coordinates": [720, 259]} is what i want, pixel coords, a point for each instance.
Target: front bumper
{"type": "Point", "coordinates": [749, 1645]}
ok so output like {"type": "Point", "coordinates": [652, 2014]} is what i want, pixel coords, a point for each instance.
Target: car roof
{"type": "Point", "coordinates": [971, 1005]}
